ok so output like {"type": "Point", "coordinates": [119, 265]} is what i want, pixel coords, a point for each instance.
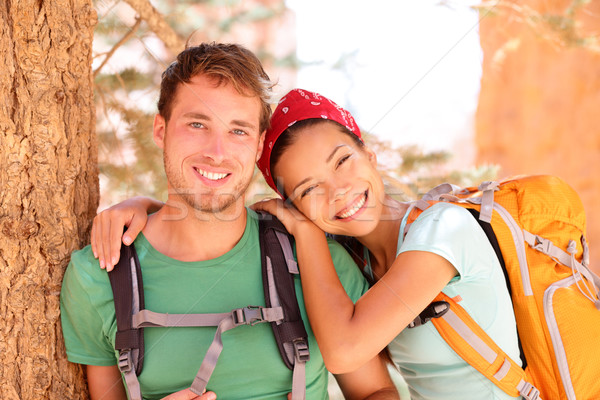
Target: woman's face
{"type": "Point", "coordinates": [332, 180]}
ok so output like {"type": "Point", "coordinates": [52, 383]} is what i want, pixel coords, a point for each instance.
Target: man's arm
{"type": "Point", "coordinates": [371, 381]}
{"type": "Point", "coordinates": [105, 383]}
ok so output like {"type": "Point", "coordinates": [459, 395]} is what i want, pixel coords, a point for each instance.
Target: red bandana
{"type": "Point", "coordinates": [295, 106]}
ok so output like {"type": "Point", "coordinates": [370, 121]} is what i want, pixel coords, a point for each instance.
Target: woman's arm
{"type": "Point", "coordinates": [351, 334]}
{"type": "Point", "coordinates": [372, 381]}
{"type": "Point", "coordinates": [107, 229]}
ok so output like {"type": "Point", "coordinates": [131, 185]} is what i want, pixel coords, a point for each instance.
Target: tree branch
{"type": "Point", "coordinates": [125, 38]}
{"type": "Point", "coordinates": [158, 25]}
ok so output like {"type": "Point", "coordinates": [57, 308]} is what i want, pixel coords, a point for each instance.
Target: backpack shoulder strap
{"type": "Point", "coordinates": [470, 341]}
{"type": "Point", "coordinates": [279, 268]}
{"type": "Point", "coordinates": [475, 346]}
{"type": "Point", "coordinates": [127, 286]}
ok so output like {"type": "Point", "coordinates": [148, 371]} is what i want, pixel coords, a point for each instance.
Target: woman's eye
{"type": "Point", "coordinates": [306, 191]}
{"type": "Point", "coordinates": [342, 160]}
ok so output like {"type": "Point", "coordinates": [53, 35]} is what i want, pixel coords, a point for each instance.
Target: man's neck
{"type": "Point", "coordinates": [185, 234]}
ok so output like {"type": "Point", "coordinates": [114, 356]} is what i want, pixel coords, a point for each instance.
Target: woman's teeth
{"type": "Point", "coordinates": [213, 176]}
{"type": "Point", "coordinates": [350, 212]}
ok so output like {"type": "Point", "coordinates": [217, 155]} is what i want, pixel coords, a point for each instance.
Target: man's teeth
{"type": "Point", "coordinates": [354, 209]}
{"type": "Point", "coordinates": [213, 176]}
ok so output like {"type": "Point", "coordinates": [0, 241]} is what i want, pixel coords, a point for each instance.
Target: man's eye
{"type": "Point", "coordinates": [342, 160]}
{"type": "Point", "coordinates": [239, 132]}
{"type": "Point", "coordinates": [196, 125]}
{"type": "Point", "coordinates": [306, 191]}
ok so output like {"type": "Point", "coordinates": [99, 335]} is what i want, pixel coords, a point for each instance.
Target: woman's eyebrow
{"type": "Point", "coordinates": [302, 182]}
{"type": "Point", "coordinates": [334, 151]}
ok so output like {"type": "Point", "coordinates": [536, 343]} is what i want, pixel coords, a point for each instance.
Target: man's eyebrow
{"type": "Point", "coordinates": [196, 115]}
{"type": "Point", "coordinates": [243, 124]}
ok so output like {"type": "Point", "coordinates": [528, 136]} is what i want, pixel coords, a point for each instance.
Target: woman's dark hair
{"type": "Point", "coordinates": [290, 135]}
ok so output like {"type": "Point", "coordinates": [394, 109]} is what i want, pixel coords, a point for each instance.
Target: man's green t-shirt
{"type": "Point", "coordinates": [250, 366]}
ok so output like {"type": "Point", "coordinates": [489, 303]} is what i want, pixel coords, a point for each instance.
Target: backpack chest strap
{"type": "Point", "coordinates": [249, 315]}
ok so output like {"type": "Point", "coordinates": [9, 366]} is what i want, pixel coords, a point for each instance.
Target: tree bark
{"type": "Point", "coordinates": [48, 186]}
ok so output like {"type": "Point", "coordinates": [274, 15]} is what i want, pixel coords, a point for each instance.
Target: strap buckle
{"type": "Point", "coordinates": [433, 310]}
{"type": "Point", "coordinates": [529, 392]}
{"type": "Point", "coordinates": [249, 315]}
{"type": "Point", "coordinates": [301, 350]}
{"type": "Point", "coordinates": [125, 361]}
{"type": "Point", "coordinates": [542, 245]}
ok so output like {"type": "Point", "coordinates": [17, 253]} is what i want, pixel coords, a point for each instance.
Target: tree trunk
{"type": "Point", "coordinates": [48, 183]}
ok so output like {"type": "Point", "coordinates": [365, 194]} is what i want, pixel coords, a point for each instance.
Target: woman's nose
{"type": "Point", "coordinates": [339, 192]}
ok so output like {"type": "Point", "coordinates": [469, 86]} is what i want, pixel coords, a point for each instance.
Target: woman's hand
{"type": "Point", "coordinates": [294, 221]}
{"type": "Point", "coordinates": [107, 229]}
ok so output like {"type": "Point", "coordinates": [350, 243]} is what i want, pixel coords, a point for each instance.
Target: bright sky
{"type": "Point", "coordinates": [412, 68]}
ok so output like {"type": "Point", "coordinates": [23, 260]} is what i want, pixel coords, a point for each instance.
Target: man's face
{"type": "Point", "coordinates": [211, 143]}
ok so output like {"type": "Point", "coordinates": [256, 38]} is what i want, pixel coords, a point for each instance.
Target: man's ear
{"type": "Point", "coordinates": [261, 143]}
{"type": "Point", "coordinates": [158, 130]}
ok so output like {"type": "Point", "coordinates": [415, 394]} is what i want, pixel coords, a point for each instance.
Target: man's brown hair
{"type": "Point", "coordinates": [230, 63]}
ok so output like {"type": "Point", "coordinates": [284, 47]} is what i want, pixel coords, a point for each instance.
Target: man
{"type": "Point", "coordinates": [200, 253]}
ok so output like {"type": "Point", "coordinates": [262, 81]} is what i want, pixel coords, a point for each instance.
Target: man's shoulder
{"type": "Point", "coordinates": [84, 256]}
{"type": "Point", "coordinates": [85, 269]}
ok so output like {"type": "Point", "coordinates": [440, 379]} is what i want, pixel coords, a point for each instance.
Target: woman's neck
{"type": "Point", "coordinates": [383, 240]}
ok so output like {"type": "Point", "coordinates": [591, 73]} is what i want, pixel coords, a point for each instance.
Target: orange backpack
{"type": "Point", "coordinates": [538, 224]}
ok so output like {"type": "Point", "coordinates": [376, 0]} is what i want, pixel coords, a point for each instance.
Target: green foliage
{"type": "Point", "coordinates": [128, 79]}
{"type": "Point", "coordinates": [409, 172]}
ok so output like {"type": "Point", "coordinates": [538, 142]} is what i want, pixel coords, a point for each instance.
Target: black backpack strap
{"type": "Point", "coordinates": [279, 268]}
{"type": "Point", "coordinates": [127, 286]}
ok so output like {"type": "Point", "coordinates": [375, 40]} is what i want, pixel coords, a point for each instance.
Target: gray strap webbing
{"type": "Point", "coordinates": [210, 359]}
{"type": "Point", "coordinates": [546, 246]}
{"type": "Point", "coordinates": [251, 315]}
{"type": "Point", "coordinates": [224, 321]}
{"type": "Point", "coordinates": [125, 363]}
{"type": "Point", "coordinates": [135, 306]}
{"type": "Point", "coordinates": [273, 295]}
{"type": "Point", "coordinates": [299, 372]}
{"type": "Point", "coordinates": [147, 318]}
{"type": "Point", "coordinates": [288, 253]}
{"type": "Point", "coordinates": [528, 391]}
{"type": "Point", "coordinates": [435, 193]}
{"type": "Point", "coordinates": [126, 367]}
{"type": "Point", "coordinates": [470, 337]}
{"type": "Point", "coordinates": [299, 380]}
{"type": "Point", "coordinates": [214, 351]}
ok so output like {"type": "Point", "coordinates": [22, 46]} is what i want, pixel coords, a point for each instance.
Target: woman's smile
{"type": "Point", "coordinates": [357, 206]}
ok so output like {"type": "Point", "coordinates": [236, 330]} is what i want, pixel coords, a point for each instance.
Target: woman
{"type": "Point", "coordinates": [315, 159]}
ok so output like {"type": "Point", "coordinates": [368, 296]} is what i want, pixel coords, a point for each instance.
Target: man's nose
{"type": "Point", "coordinates": [216, 148]}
